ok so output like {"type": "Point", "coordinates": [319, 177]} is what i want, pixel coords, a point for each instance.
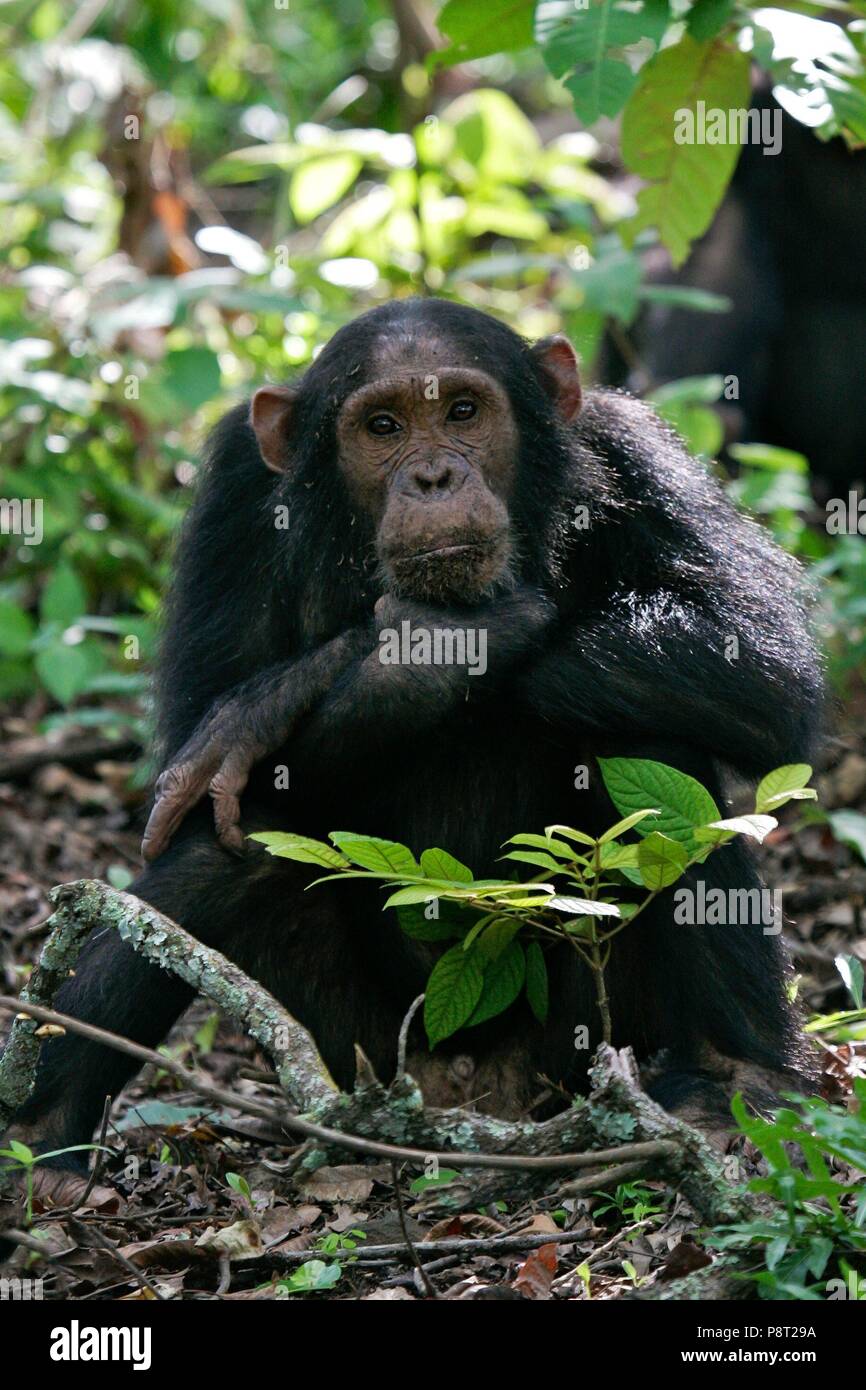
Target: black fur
{"type": "Point", "coordinates": [645, 599]}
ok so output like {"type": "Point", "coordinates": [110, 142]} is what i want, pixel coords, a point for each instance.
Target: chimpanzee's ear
{"type": "Point", "coordinates": [270, 416]}
{"type": "Point", "coordinates": [558, 362]}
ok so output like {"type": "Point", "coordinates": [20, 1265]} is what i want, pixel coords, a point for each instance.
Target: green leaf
{"type": "Point", "coordinates": [686, 297]}
{"type": "Point", "coordinates": [688, 179]}
{"type": "Point", "coordinates": [579, 42]}
{"type": "Point", "coordinates": [16, 629]}
{"type": "Point", "coordinates": [63, 670]}
{"type": "Point", "coordinates": [851, 970]}
{"type": "Point", "coordinates": [661, 860]}
{"type": "Point", "coordinates": [537, 993]}
{"type": "Point", "coordinates": [301, 849]}
{"type": "Point", "coordinates": [453, 990]}
{"type": "Point", "coordinates": [413, 894]}
{"type": "Point", "coordinates": [557, 847]}
{"type": "Point", "coordinates": [541, 861]}
{"type": "Point", "coordinates": [849, 828]}
{"type": "Point", "coordinates": [496, 938]}
{"type": "Point", "coordinates": [773, 459]}
{"type": "Point", "coordinates": [578, 836]}
{"type": "Point", "coordinates": [583, 907]}
{"type": "Point", "coordinates": [633, 783]}
{"type": "Point", "coordinates": [623, 825]}
{"type": "Point", "coordinates": [494, 889]}
{"type": "Point", "coordinates": [784, 784]}
{"type": "Point", "coordinates": [442, 1178]}
{"type": "Point", "coordinates": [611, 285]}
{"type": "Point", "coordinates": [450, 923]}
{"type": "Point", "coordinates": [503, 981]}
{"type": "Point", "coordinates": [707, 18]}
{"type": "Point", "coordinates": [191, 376]}
{"type": "Point", "coordinates": [478, 28]}
{"type": "Point", "coordinates": [438, 863]}
{"type": "Point", "coordinates": [63, 598]}
{"type": "Point", "coordinates": [619, 856]}
{"type": "Point", "coordinates": [320, 183]}
{"type": "Point", "coordinates": [502, 147]}
{"type": "Point", "coordinates": [312, 1277]}
{"type": "Point", "coordinates": [478, 927]}
{"type": "Point", "coordinates": [383, 856]}
{"type": "Point", "coordinates": [775, 1251]}
{"type": "Point", "coordinates": [756, 827]}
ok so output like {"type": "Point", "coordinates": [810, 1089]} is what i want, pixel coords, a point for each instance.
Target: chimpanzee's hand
{"type": "Point", "coordinates": [254, 721]}
{"type": "Point", "coordinates": [217, 759]}
{"type": "Point", "coordinates": [388, 695]}
{"type": "Point", "coordinates": [510, 623]}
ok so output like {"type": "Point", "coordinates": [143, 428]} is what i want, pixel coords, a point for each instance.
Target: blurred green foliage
{"type": "Point", "coordinates": [193, 201]}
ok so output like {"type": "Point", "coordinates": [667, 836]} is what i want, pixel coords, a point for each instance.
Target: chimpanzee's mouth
{"type": "Point", "coordinates": [458, 569]}
{"type": "Point", "coordinates": [461, 548]}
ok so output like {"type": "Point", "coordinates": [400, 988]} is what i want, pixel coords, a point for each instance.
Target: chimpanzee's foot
{"type": "Point", "coordinates": [500, 1083]}
{"type": "Point", "coordinates": [701, 1095]}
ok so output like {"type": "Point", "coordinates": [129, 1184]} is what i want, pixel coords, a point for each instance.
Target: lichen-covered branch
{"type": "Point", "coordinates": [81, 906]}
{"type": "Point", "coordinates": [697, 1165]}
{"type": "Point", "coordinates": [21, 1053]}
{"type": "Point", "coordinates": [617, 1112]}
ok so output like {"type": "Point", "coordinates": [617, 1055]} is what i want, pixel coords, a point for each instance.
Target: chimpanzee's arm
{"type": "Point", "coordinates": [253, 720]}
{"type": "Point", "coordinates": [354, 693]}
{"type": "Point", "coordinates": [659, 664]}
{"type": "Point", "coordinates": [373, 703]}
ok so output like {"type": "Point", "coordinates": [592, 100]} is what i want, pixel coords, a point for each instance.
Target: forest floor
{"type": "Point", "coordinates": [193, 1202]}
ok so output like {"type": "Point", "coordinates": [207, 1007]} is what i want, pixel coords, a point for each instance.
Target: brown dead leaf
{"type": "Point", "coordinates": [346, 1182]}
{"type": "Point", "coordinates": [541, 1224]}
{"type": "Point", "coordinates": [283, 1221]}
{"type": "Point", "coordinates": [536, 1274]}
{"type": "Point", "coordinates": [470, 1224]}
{"type": "Point", "coordinates": [165, 1254]}
{"type": "Point", "coordinates": [238, 1241]}
{"type": "Point", "coordinates": [388, 1296]}
{"type": "Point", "coordinates": [684, 1259]}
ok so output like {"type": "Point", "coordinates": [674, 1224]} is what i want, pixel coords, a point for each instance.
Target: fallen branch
{"type": "Point", "coordinates": [377, 1120]}
{"type": "Point", "coordinates": [308, 1129]}
{"type": "Point", "coordinates": [506, 1244]}
{"type": "Point", "coordinates": [301, 1071]}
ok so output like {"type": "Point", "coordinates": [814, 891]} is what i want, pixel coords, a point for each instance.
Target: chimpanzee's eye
{"type": "Point", "coordinates": [462, 410]}
{"type": "Point", "coordinates": [382, 424]}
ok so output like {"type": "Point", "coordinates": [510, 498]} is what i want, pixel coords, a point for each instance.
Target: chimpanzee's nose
{"type": "Point", "coordinates": [436, 477]}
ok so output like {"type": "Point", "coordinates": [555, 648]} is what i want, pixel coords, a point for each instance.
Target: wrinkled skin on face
{"type": "Point", "coordinates": [431, 456]}
{"type": "Point", "coordinates": [428, 450]}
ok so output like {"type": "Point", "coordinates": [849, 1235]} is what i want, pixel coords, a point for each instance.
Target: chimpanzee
{"type": "Point", "coordinates": [431, 466]}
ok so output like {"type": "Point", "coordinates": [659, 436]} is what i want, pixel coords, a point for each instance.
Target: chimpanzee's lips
{"type": "Point", "coordinates": [463, 548]}
{"type": "Point", "coordinates": [458, 570]}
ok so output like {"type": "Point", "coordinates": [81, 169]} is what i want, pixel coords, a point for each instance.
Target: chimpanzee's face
{"type": "Point", "coordinates": [429, 452]}
{"type": "Point", "coordinates": [427, 449]}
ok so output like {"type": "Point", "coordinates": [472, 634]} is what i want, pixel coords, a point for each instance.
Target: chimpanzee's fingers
{"type": "Point", "coordinates": [177, 791]}
{"type": "Point", "coordinates": [225, 789]}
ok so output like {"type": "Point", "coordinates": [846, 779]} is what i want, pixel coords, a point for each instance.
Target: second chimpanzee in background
{"type": "Point", "coordinates": [432, 466]}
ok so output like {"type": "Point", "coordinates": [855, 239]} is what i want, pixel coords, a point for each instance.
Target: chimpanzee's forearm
{"type": "Point", "coordinates": [244, 726]}
{"type": "Point", "coordinates": [401, 687]}
{"type": "Point", "coordinates": [354, 691]}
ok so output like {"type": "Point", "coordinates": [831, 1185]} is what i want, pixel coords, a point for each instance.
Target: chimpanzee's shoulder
{"type": "Point", "coordinates": [640, 449]}
{"type": "Point", "coordinates": [611, 419]}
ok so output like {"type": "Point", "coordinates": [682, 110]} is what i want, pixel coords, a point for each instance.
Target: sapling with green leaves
{"type": "Point", "coordinates": [20, 1158]}
{"type": "Point", "coordinates": [587, 889]}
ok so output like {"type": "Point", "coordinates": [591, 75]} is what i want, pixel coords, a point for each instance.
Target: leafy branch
{"type": "Point", "coordinates": [588, 890]}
